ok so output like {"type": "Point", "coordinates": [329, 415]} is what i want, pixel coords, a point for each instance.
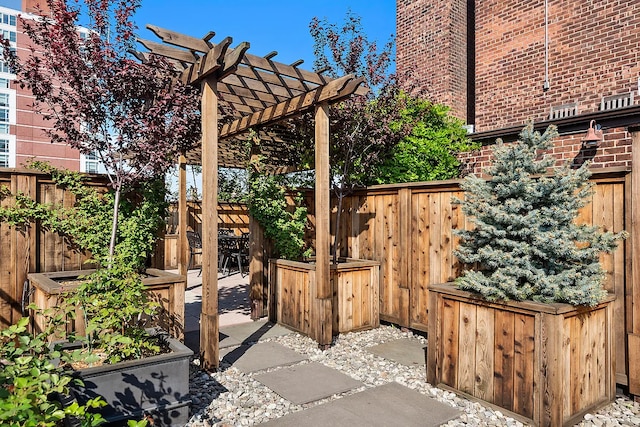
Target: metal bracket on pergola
{"type": "Point", "coordinates": [258, 92]}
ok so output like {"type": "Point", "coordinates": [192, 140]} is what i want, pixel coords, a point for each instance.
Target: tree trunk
{"type": "Point", "coordinates": [114, 224]}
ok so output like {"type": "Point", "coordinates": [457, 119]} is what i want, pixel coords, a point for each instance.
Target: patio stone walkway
{"type": "Point", "coordinates": [390, 404]}
{"type": "Point", "coordinates": [387, 364]}
{"type": "Point", "coordinates": [405, 351]}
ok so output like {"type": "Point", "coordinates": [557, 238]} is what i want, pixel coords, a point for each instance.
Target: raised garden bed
{"type": "Point", "coordinates": [355, 304]}
{"type": "Point", "coordinates": [163, 287]}
{"type": "Point", "coordinates": [156, 386]}
{"type": "Point", "coordinates": [548, 363]}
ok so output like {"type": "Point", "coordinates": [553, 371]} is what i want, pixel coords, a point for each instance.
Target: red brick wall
{"type": "Point", "coordinates": [594, 51]}
{"type": "Point", "coordinates": [33, 6]}
{"type": "Point", "coordinates": [614, 151]}
{"type": "Point", "coordinates": [432, 47]}
{"type": "Point", "coordinates": [30, 129]}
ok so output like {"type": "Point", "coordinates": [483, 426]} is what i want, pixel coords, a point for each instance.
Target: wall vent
{"type": "Point", "coordinates": [614, 102]}
{"type": "Point", "coordinates": [564, 110]}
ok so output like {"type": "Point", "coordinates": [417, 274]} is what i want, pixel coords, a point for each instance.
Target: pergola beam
{"type": "Point", "coordinates": [169, 52]}
{"type": "Point", "coordinates": [183, 245]}
{"type": "Point", "coordinates": [182, 40]}
{"type": "Point", "coordinates": [322, 310]}
{"type": "Point", "coordinates": [206, 64]}
{"type": "Point", "coordinates": [285, 70]}
{"type": "Point", "coordinates": [231, 60]}
{"type": "Point", "coordinates": [333, 91]}
{"type": "Point", "coordinates": [209, 348]}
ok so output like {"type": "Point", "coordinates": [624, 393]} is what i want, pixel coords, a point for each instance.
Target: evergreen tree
{"type": "Point", "coordinates": [526, 242]}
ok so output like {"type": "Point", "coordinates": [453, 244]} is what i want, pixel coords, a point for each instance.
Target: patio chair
{"type": "Point", "coordinates": [195, 248]}
{"type": "Point", "coordinates": [239, 254]}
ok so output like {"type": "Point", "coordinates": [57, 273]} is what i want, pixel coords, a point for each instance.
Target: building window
{"type": "Point", "coordinates": [4, 115]}
{"type": "Point", "coordinates": [8, 19]}
{"type": "Point", "coordinates": [4, 153]}
{"type": "Point", "coordinates": [9, 35]}
{"type": "Point", "coordinates": [91, 163]}
{"type": "Point", "coordinates": [4, 68]}
{"type": "Point", "coordinates": [4, 83]}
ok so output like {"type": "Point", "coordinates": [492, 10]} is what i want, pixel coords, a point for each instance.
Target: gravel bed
{"type": "Point", "coordinates": [231, 398]}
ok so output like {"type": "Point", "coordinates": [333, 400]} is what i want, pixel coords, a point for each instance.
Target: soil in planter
{"type": "Point", "coordinates": [75, 282]}
{"type": "Point", "coordinates": [102, 356]}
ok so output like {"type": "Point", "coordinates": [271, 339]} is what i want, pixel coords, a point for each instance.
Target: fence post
{"type": "Point", "coordinates": [23, 253]}
{"type": "Point", "coordinates": [404, 253]}
{"type": "Point", "coordinates": [633, 337]}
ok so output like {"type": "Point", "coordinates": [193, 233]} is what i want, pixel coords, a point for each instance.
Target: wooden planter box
{"type": "Point", "coordinates": [549, 363]}
{"type": "Point", "coordinates": [355, 304]}
{"type": "Point", "coordinates": [165, 288]}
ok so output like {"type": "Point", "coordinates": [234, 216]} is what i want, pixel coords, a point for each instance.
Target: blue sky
{"type": "Point", "coordinates": [268, 25]}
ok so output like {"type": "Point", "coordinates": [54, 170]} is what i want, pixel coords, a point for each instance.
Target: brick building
{"type": "Point", "coordinates": [498, 63]}
{"type": "Point", "coordinates": [22, 130]}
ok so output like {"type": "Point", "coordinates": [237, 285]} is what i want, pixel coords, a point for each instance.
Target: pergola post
{"type": "Point", "coordinates": [257, 279]}
{"type": "Point", "coordinates": [209, 317]}
{"type": "Point", "coordinates": [183, 245]}
{"type": "Point", "coordinates": [323, 233]}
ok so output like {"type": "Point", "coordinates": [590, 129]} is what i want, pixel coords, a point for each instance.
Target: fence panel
{"type": "Point", "coordinates": [371, 224]}
{"type": "Point", "coordinates": [31, 249]}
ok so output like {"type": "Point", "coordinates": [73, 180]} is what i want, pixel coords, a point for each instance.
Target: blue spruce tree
{"type": "Point", "coordinates": [526, 244]}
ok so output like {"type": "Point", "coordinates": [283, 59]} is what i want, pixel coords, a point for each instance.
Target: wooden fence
{"type": "Point", "coordinates": [32, 249]}
{"type": "Point", "coordinates": [409, 229]}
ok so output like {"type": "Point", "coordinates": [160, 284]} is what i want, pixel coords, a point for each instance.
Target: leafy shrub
{"type": "Point", "coordinates": [113, 297]}
{"type": "Point", "coordinates": [30, 381]}
{"type": "Point", "coordinates": [268, 205]}
{"type": "Point", "coordinates": [116, 310]}
{"type": "Point", "coordinates": [87, 224]}
{"type": "Point", "coordinates": [429, 151]}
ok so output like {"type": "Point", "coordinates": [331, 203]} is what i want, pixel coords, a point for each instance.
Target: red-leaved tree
{"type": "Point", "coordinates": [99, 99]}
{"type": "Point", "coordinates": [364, 128]}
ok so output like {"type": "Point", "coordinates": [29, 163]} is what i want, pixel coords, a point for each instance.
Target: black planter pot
{"type": "Point", "coordinates": [155, 387]}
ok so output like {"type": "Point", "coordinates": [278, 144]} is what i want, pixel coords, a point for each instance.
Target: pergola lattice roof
{"type": "Point", "coordinates": [253, 91]}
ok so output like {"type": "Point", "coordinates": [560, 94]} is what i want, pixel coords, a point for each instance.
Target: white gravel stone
{"type": "Point", "coordinates": [231, 398]}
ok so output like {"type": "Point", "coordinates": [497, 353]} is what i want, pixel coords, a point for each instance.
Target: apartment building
{"type": "Point", "coordinates": [499, 63]}
{"type": "Point", "coordinates": [23, 133]}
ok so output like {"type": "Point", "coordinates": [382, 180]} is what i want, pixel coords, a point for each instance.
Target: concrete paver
{"type": "Point", "coordinates": [307, 382]}
{"type": "Point", "coordinates": [261, 356]}
{"type": "Point", "coordinates": [233, 307]}
{"type": "Point", "coordinates": [391, 404]}
{"type": "Point", "coordinates": [233, 301]}
{"type": "Point", "coordinates": [405, 351]}
{"type": "Point", "coordinates": [249, 332]}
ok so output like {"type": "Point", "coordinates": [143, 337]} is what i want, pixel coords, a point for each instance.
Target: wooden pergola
{"type": "Point", "coordinates": [255, 91]}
